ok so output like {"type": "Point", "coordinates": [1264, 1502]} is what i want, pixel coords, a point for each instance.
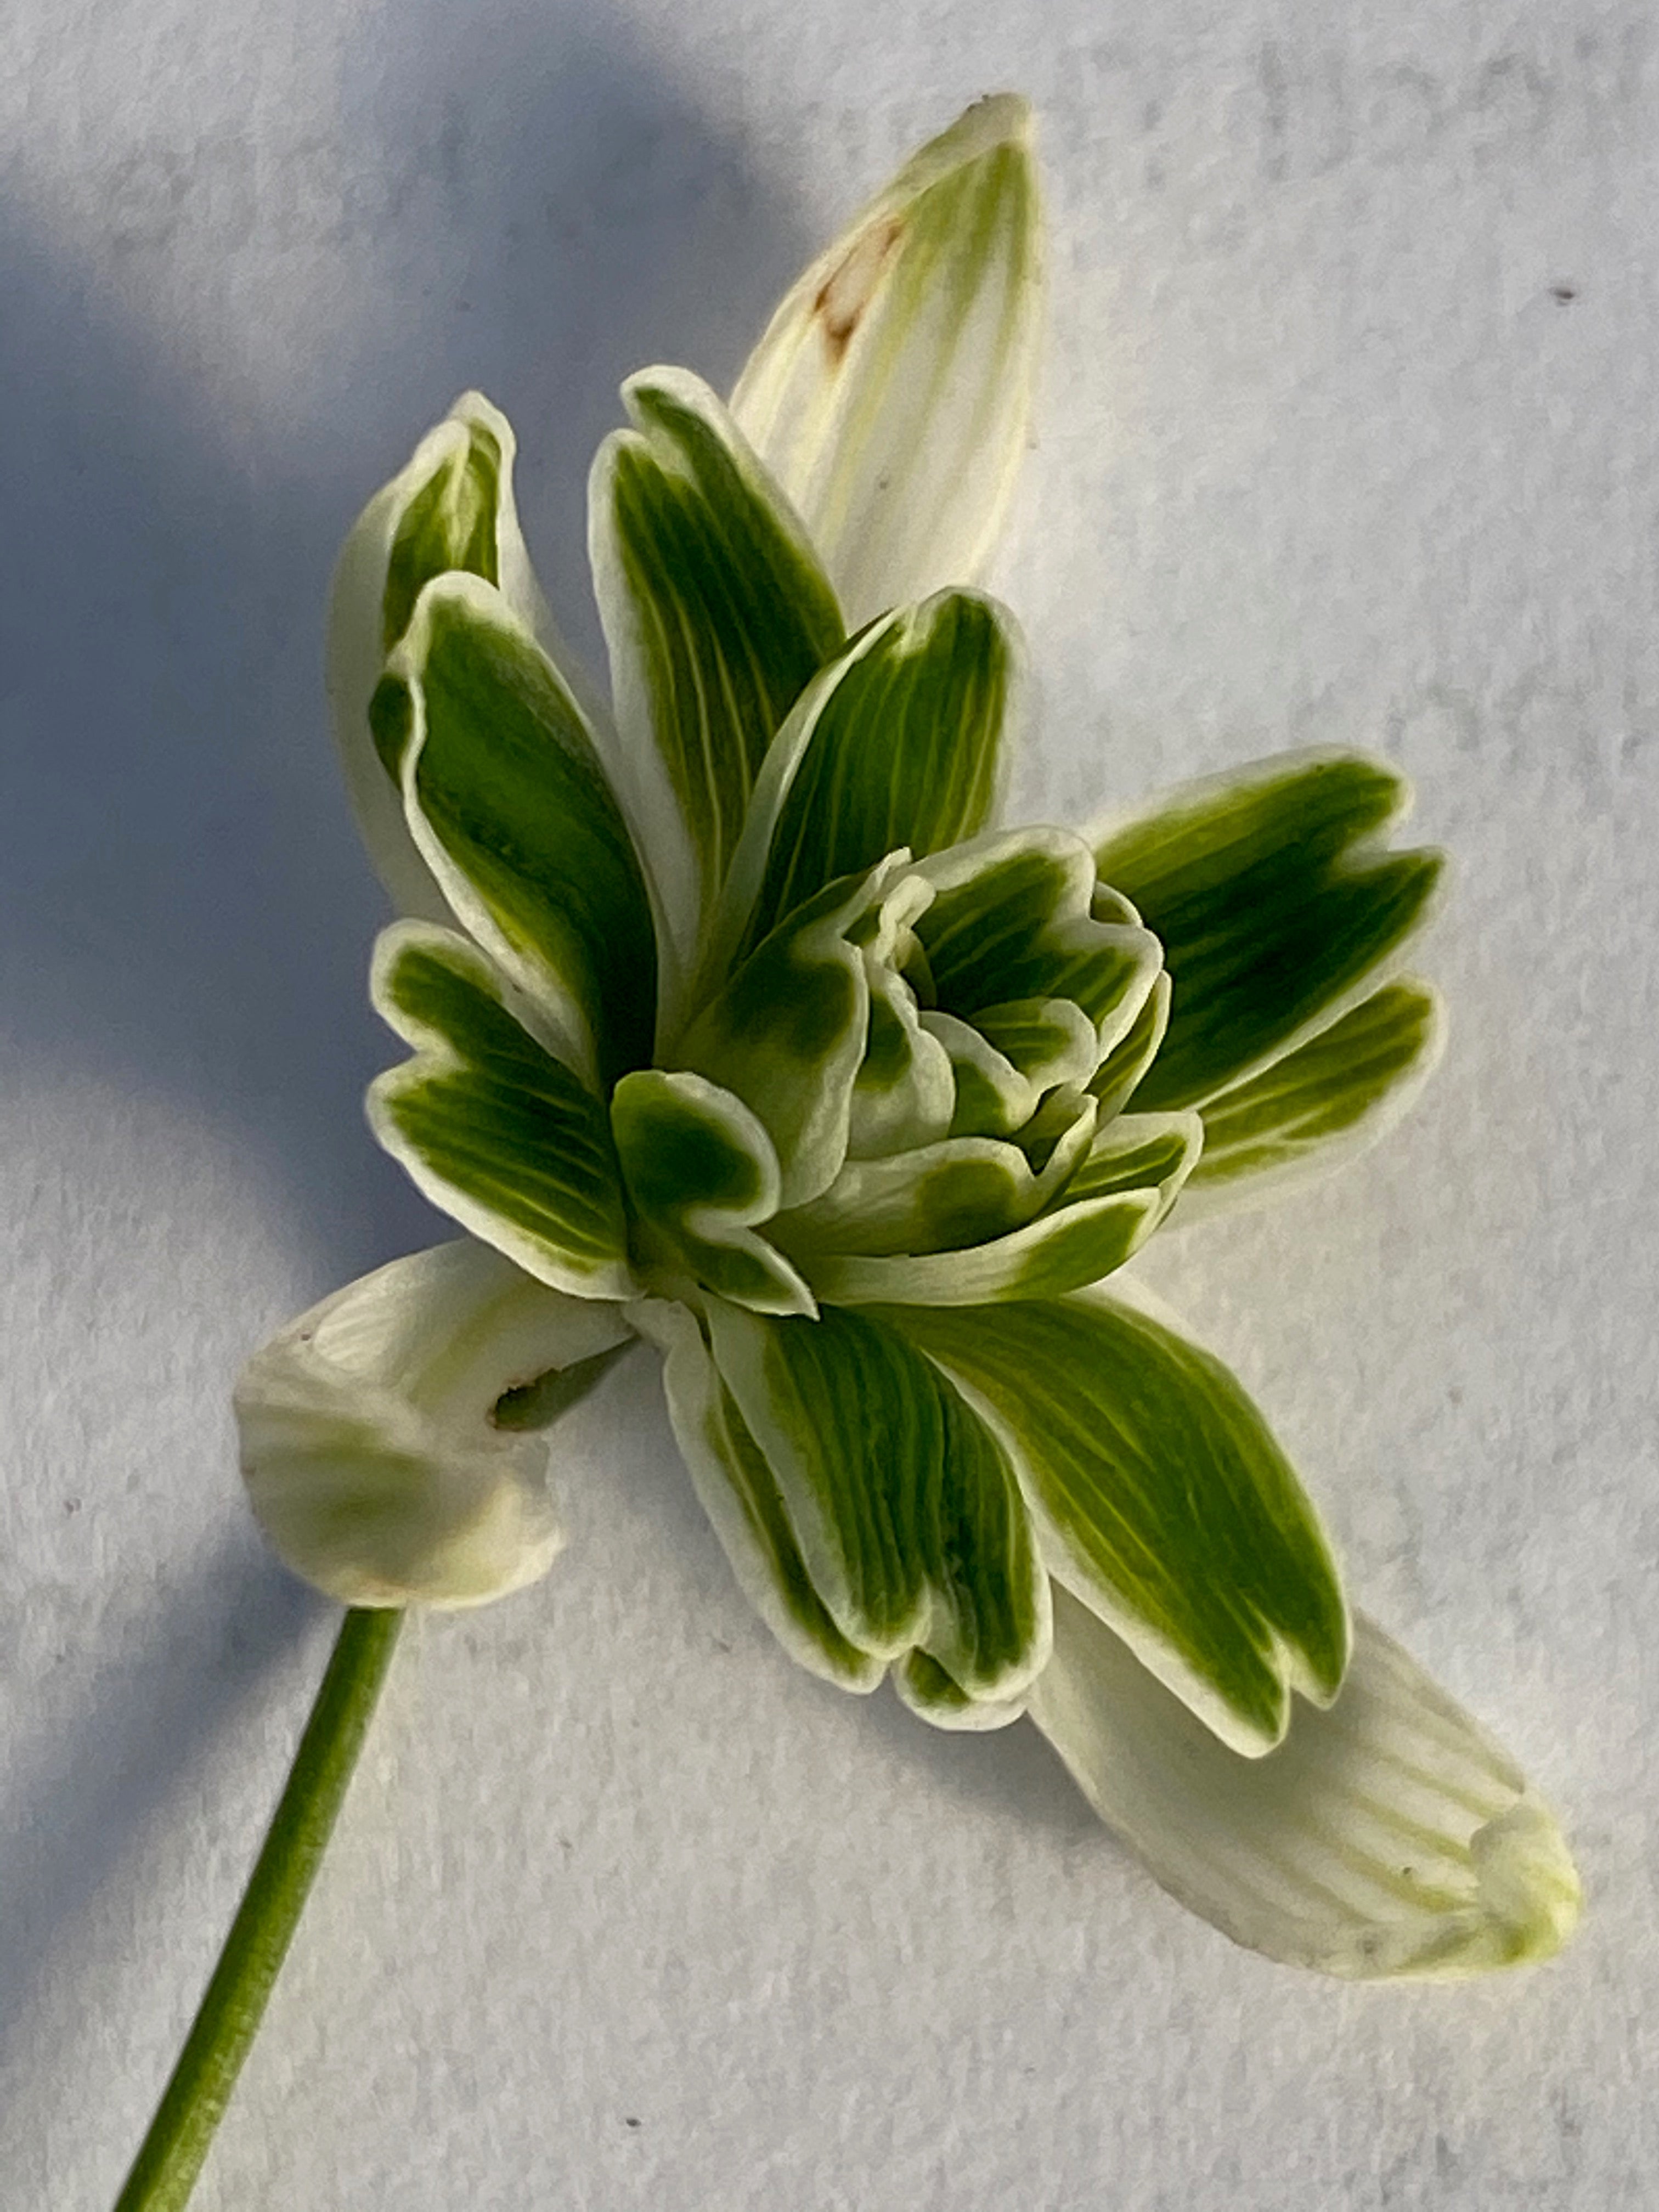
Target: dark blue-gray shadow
{"type": "Point", "coordinates": [184, 909]}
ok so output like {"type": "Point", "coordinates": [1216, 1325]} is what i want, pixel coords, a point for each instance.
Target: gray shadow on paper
{"type": "Point", "coordinates": [184, 909]}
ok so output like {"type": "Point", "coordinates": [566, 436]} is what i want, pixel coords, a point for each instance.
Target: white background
{"type": "Point", "coordinates": [624, 1911]}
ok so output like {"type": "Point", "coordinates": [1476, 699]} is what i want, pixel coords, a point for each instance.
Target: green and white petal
{"type": "Point", "coordinates": [740, 1494]}
{"type": "Point", "coordinates": [717, 615]}
{"type": "Point", "coordinates": [905, 1093]}
{"type": "Point", "coordinates": [892, 391]}
{"type": "Point", "coordinates": [1119, 1073]}
{"type": "Point", "coordinates": [1387, 1837]}
{"type": "Point", "coordinates": [1014, 916]}
{"type": "Point", "coordinates": [489, 1125]}
{"type": "Point", "coordinates": [451, 507]}
{"type": "Point", "coordinates": [1074, 1244]}
{"type": "Point", "coordinates": [903, 1503]}
{"type": "Point", "coordinates": [506, 799]}
{"type": "Point", "coordinates": [1141, 1151]}
{"type": "Point", "coordinates": [945, 1196]}
{"type": "Point", "coordinates": [701, 1171]}
{"type": "Point", "coordinates": [1109, 1206]}
{"type": "Point", "coordinates": [902, 741]}
{"type": "Point", "coordinates": [787, 1032]}
{"type": "Point", "coordinates": [1161, 1500]}
{"type": "Point", "coordinates": [934, 1696]}
{"type": "Point", "coordinates": [382, 1434]}
{"type": "Point", "coordinates": [992, 1097]}
{"type": "Point", "coordinates": [1275, 903]}
{"type": "Point", "coordinates": [1047, 1041]}
{"type": "Point", "coordinates": [1320, 1105]}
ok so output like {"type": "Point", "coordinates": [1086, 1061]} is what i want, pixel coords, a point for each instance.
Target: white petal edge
{"type": "Point", "coordinates": [1291, 1162]}
{"type": "Point", "coordinates": [1388, 1837]}
{"type": "Point", "coordinates": [371, 1459]}
{"type": "Point", "coordinates": [692, 1385]}
{"type": "Point", "coordinates": [355, 652]}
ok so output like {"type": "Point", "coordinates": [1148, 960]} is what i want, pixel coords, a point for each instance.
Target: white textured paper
{"type": "Point", "coordinates": [1347, 437]}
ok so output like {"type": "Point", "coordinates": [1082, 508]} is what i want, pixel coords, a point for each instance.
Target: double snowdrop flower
{"type": "Point", "coordinates": [736, 1025]}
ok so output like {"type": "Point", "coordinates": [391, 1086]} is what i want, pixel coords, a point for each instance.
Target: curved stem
{"type": "Point", "coordinates": [164, 2172]}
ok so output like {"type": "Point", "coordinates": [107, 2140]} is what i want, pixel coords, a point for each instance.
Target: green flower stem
{"type": "Point", "coordinates": [164, 2173]}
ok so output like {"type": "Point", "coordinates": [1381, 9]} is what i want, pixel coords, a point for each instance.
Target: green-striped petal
{"type": "Point", "coordinates": [1387, 1837]}
{"type": "Point", "coordinates": [892, 391]}
{"type": "Point", "coordinates": [451, 507]}
{"type": "Point", "coordinates": [902, 1502]}
{"type": "Point", "coordinates": [1018, 915]}
{"type": "Point", "coordinates": [379, 1438]}
{"type": "Point", "coordinates": [1120, 1072]}
{"type": "Point", "coordinates": [701, 1171]}
{"type": "Point", "coordinates": [505, 797]}
{"type": "Point", "coordinates": [717, 615]}
{"type": "Point", "coordinates": [934, 1696]}
{"type": "Point", "coordinates": [1274, 903]}
{"type": "Point", "coordinates": [1141, 1151]}
{"type": "Point", "coordinates": [944, 1196]}
{"type": "Point", "coordinates": [904, 1093]}
{"type": "Point", "coordinates": [740, 1495]}
{"type": "Point", "coordinates": [902, 741]}
{"type": "Point", "coordinates": [1109, 1206]}
{"type": "Point", "coordinates": [991, 1097]}
{"type": "Point", "coordinates": [788, 1031]}
{"type": "Point", "coordinates": [1321, 1104]}
{"type": "Point", "coordinates": [490, 1126]}
{"type": "Point", "coordinates": [1160, 1498]}
{"type": "Point", "coordinates": [1047, 1041]}
{"type": "Point", "coordinates": [1073, 1244]}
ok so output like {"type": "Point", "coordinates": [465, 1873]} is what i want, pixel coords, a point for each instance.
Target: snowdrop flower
{"type": "Point", "coordinates": [735, 1024]}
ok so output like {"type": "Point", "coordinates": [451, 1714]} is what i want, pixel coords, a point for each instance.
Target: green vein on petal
{"type": "Point", "coordinates": [1320, 1105]}
{"type": "Point", "coordinates": [1274, 904]}
{"type": "Point", "coordinates": [905, 1093]}
{"type": "Point", "coordinates": [717, 615]}
{"type": "Point", "coordinates": [899, 742]}
{"type": "Point", "coordinates": [933, 1695]}
{"type": "Point", "coordinates": [1070, 1247]}
{"type": "Point", "coordinates": [1107, 1208]}
{"type": "Point", "coordinates": [903, 1503]}
{"type": "Point", "coordinates": [891, 390]}
{"type": "Point", "coordinates": [740, 1494]}
{"type": "Point", "coordinates": [505, 796]}
{"type": "Point", "coordinates": [1047, 1041]}
{"type": "Point", "coordinates": [451, 521]}
{"type": "Point", "coordinates": [787, 1032]}
{"type": "Point", "coordinates": [1387, 1837]}
{"type": "Point", "coordinates": [700, 1170]}
{"type": "Point", "coordinates": [1014, 917]}
{"type": "Point", "coordinates": [488, 1125]}
{"type": "Point", "coordinates": [370, 1443]}
{"type": "Point", "coordinates": [1120, 1072]}
{"type": "Point", "coordinates": [1141, 1151]}
{"type": "Point", "coordinates": [941, 1197]}
{"type": "Point", "coordinates": [451, 507]}
{"type": "Point", "coordinates": [1161, 1500]}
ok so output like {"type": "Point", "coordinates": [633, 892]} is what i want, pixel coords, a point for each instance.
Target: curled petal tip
{"type": "Point", "coordinates": [1528, 1886]}
{"type": "Point", "coordinates": [373, 1457]}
